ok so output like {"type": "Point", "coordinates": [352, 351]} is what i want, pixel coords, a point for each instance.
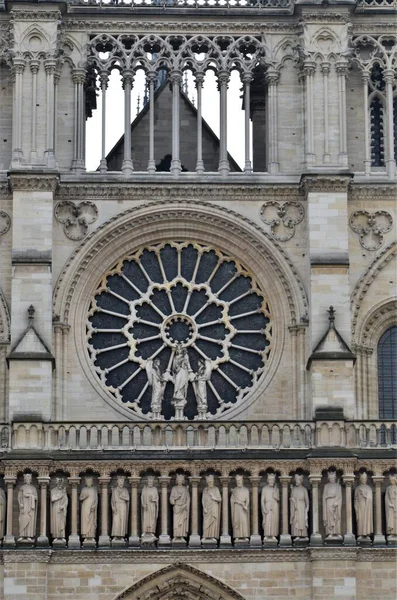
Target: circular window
{"type": "Point", "coordinates": [179, 330]}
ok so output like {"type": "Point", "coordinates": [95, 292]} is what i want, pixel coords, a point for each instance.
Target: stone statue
{"type": "Point", "coordinates": [391, 506]}
{"type": "Point", "coordinates": [120, 503]}
{"type": "Point", "coordinates": [157, 382]}
{"type": "Point", "coordinates": [211, 502]}
{"type": "Point", "coordinates": [299, 502]}
{"type": "Point", "coordinates": [182, 373]}
{"type": "Point", "coordinates": [332, 506]}
{"type": "Point", "coordinates": [200, 386]}
{"type": "Point", "coordinates": [270, 503]}
{"type": "Point", "coordinates": [27, 500]}
{"type": "Point", "coordinates": [363, 505]}
{"type": "Point", "coordinates": [89, 505]}
{"type": "Point", "coordinates": [59, 505]}
{"type": "Point", "coordinates": [2, 512]}
{"type": "Point", "coordinates": [239, 502]}
{"type": "Point", "coordinates": [180, 500]}
{"type": "Point", "coordinates": [150, 508]}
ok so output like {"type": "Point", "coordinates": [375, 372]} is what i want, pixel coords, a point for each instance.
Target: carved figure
{"type": "Point", "coordinates": [59, 505]}
{"type": "Point", "coordinates": [270, 503]}
{"type": "Point", "coordinates": [27, 500]}
{"type": "Point", "coordinates": [2, 512]}
{"type": "Point", "coordinates": [211, 502]}
{"type": "Point", "coordinates": [299, 502]}
{"type": "Point", "coordinates": [181, 376]}
{"type": "Point", "coordinates": [332, 506]}
{"type": "Point", "coordinates": [120, 502]}
{"type": "Point", "coordinates": [391, 506]}
{"type": "Point", "coordinates": [89, 505]}
{"type": "Point", "coordinates": [239, 501]}
{"type": "Point", "coordinates": [180, 500]}
{"type": "Point", "coordinates": [157, 382]}
{"type": "Point", "coordinates": [200, 386]}
{"type": "Point", "coordinates": [363, 505]}
{"type": "Point", "coordinates": [150, 508]}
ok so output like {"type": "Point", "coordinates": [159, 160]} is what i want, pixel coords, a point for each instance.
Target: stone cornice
{"type": "Point", "coordinates": [371, 191]}
{"type": "Point", "coordinates": [325, 183]}
{"type": "Point", "coordinates": [43, 182]}
{"type": "Point", "coordinates": [35, 15]}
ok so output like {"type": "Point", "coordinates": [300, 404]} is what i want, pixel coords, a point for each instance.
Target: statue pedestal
{"type": "Point", "coordinates": [134, 541]}
{"type": "Point", "coordinates": [89, 543]}
{"type": "Point", "coordinates": [285, 539]}
{"type": "Point", "coordinates": [148, 540]}
{"type": "Point", "coordinates": [379, 539]}
{"type": "Point", "coordinates": [179, 543]}
{"type": "Point", "coordinates": [333, 540]}
{"type": "Point", "coordinates": [301, 542]}
{"type": "Point", "coordinates": [9, 541]}
{"type": "Point", "coordinates": [194, 541]}
{"type": "Point", "coordinates": [42, 541]}
{"type": "Point", "coordinates": [209, 543]}
{"type": "Point", "coordinates": [269, 542]}
{"type": "Point", "coordinates": [26, 542]}
{"type": "Point", "coordinates": [164, 541]}
{"type": "Point", "coordinates": [316, 539]}
{"type": "Point", "coordinates": [225, 541]}
{"type": "Point", "coordinates": [104, 541]}
{"type": "Point", "coordinates": [59, 543]}
{"type": "Point", "coordinates": [392, 540]}
{"type": "Point", "coordinates": [255, 541]}
{"type": "Point", "coordinates": [364, 540]}
{"type": "Point", "coordinates": [241, 543]}
{"type": "Point", "coordinates": [349, 539]}
{"type": "Point", "coordinates": [74, 541]}
{"type": "Point", "coordinates": [118, 543]}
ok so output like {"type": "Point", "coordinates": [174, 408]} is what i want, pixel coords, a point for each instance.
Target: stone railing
{"type": "Point", "coordinates": [188, 4]}
{"type": "Point", "coordinates": [199, 435]}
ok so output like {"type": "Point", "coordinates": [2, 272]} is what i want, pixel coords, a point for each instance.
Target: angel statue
{"type": "Point", "coordinates": [200, 386]}
{"type": "Point", "coordinates": [157, 382]}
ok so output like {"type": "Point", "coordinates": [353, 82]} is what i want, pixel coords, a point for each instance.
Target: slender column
{"type": "Point", "coordinates": [272, 78]}
{"type": "Point", "coordinates": [316, 537]}
{"type": "Point", "coordinates": [103, 167]}
{"type": "Point", "coordinates": [18, 70]}
{"type": "Point", "coordinates": [309, 68]}
{"type": "Point", "coordinates": [9, 540]}
{"type": "Point", "coordinates": [104, 539]}
{"type": "Point", "coordinates": [128, 79]}
{"type": "Point", "coordinates": [255, 539]}
{"type": "Point", "coordinates": [194, 539]}
{"type": "Point", "coordinates": [367, 137]}
{"type": "Point", "coordinates": [78, 78]}
{"type": "Point", "coordinates": [34, 67]}
{"type": "Point", "coordinates": [176, 78]}
{"type": "Point", "coordinates": [349, 539]}
{"type": "Point", "coordinates": [74, 538]}
{"type": "Point", "coordinates": [151, 77]}
{"type": "Point", "coordinates": [57, 77]}
{"type": "Point", "coordinates": [325, 68]}
{"type": "Point", "coordinates": [285, 537]}
{"type": "Point", "coordinates": [223, 82]}
{"type": "Point", "coordinates": [199, 87]}
{"type": "Point", "coordinates": [50, 66]}
{"type": "Point", "coordinates": [225, 540]}
{"type": "Point", "coordinates": [164, 538]}
{"type": "Point", "coordinates": [379, 538]}
{"type": "Point", "coordinates": [247, 79]}
{"type": "Point", "coordinates": [44, 481]}
{"type": "Point", "coordinates": [342, 70]}
{"type": "Point", "coordinates": [134, 540]}
{"type": "Point", "coordinates": [389, 76]}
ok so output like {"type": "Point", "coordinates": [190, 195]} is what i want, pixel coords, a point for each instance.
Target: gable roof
{"type": "Point", "coordinates": [331, 346]}
{"type": "Point", "coordinates": [30, 345]}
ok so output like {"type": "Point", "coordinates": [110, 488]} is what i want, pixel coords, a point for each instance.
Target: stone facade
{"type": "Point", "coordinates": [263, 293]}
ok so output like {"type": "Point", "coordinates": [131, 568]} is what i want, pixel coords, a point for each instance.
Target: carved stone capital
{"type": "Point", "coordinates": [325, 183]}
{"type": "Point", "coordinates": [45, 182]}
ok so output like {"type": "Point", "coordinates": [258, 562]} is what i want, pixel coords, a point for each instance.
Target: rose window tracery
{"type": "Point", "coordinates": [179, 330]}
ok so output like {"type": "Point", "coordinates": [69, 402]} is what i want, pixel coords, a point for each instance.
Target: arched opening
{"type": "Point", "coordinates": [387, 369]}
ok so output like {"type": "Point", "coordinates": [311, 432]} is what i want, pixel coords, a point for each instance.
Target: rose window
{"type": "Point", "coordinates": [179, 330]}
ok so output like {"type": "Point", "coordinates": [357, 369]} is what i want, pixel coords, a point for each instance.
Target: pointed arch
{"type": "Point", "coordinates": [179, 581]}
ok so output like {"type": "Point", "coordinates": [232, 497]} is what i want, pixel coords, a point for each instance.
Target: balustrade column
{"type": "Point", "coordinates": [225, 540]}
{"type": "Point", "coordinates": [309, 68]}
{"type": "Point", "coordinates": [151, 78]}
{"type": "Point", "coordinates": [78, 78]}
{"type": "Point", "coordinates": [379, 538]}
{"type": "Point", "coordinates": [34, 67]}
{"type": "Point", "coordinates": [272, 79]}
{"type": "Point", "coordinates": [223, 82]}
{"type": "Point", "coordinates": [9, 540]}
{"type": "Point", "coordinates": [176, 78]}
{"type": "Point", "coordinates": [164, 538]}
{"type": "Point", "coordinates": [342, 71]}
{"type": "Point", "coordinates": [134, 540]}
{"type": "Point", "coordinates": [104, 77]}
{"type": "Point", "coordinates": [247, 79]}
{"type": "Point", "coordinates": [285, 537]}
{"type": "Point", "coordinates": [104, 539]}
{"type": "Point", "coordinates": [389, 76]}
{"type": "Point", "coordinates": [18, 70]}
{"type": "Point", "coordinates": [50, 67]}
{"type": "Point", "coordinates": [194, 539]}
{"type": "Point", "coordinates": [127, 166]}
{"type": "Point", "coordinates": [255, 539]}
{"type": "Point", "coordinates": [325, 69]}
{"type": "Point", "coordinates": [74, 538]}
{"type": "Point", "coordinates": [44, 481]}
{"type": "Point", "coordinates": [367, 127]}
{"type": "Point", "coordinates": [199, 87]}
{"type": "Point", "coordinates": [316, 537]}
{"type": "Point", "coordinates": [349, 539]}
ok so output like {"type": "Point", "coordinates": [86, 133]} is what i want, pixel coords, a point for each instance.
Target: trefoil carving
{"type": "Point", "coordinates": [371, 227]}
{"type": "Point", "coordinates": [282, 218]}
{"type": "Point", "coordinates": [75, 218]}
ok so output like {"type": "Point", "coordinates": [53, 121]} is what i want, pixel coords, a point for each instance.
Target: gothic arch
{"type": "Point", "coordinates": [177, 582]}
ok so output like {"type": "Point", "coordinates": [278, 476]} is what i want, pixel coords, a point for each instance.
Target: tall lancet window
{"type": "Point", "coordinates": [377, 117]}
{"type": "Point", "coordinates": [387, 374]}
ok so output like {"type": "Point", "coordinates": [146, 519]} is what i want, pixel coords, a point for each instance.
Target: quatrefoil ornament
{"type": "Point", "coordinates": [371, 227]}
{"type": "Point", "coordinates": [76, 217]}
{"type": "Point", "coordinates": [282, 218]}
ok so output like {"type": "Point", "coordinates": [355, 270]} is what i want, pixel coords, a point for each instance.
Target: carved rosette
{"type": "Point", "coordinates": [371, 227]}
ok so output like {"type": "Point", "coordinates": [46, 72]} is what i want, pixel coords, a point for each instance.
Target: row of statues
{"type": "Point", "coordinates": [179, 499]}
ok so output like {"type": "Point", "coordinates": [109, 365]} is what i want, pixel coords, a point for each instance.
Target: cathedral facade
{"type": "Point", "coordinates": [198, 350]}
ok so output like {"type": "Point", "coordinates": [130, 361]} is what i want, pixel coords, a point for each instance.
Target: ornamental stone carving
{"type": "Point", "coordinates": [5, 222]}
{"type": "Point", "coordinates": [2, 512]}
{"type": "Point", "coordinates": [332, 506]}
{"type": "Point", "coordinates": [75, 218]}
{"type": "Point", "coordinates": [150, 510]}
{"type": "Point", "coordinates": [239, 501]}
{"type": "Point", "coordinates": [59, 505]}
{"type": "Point", "coordinates": [27, 501]}
{"type": "Point", "coordinates": [180, 500]}
{"type": "Point", "coordinates": [89, 505]}
{"type": "Point", "coordinates": [299, 503]}
{"type": "Point", "coordinates": [120, 502]}
{"type": "Point", "coordinates": [282, 218]}
{"type": "Point", "coordinates": [363, 505]}
{"type": "Point", "coordinates": [270, 504]}
{"type": "Point", "coordinates": [211, 501]}
{"type": "Point", "coordinates": [391, 508]}
{"type": "Point", "coordinates": [371, 227]}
